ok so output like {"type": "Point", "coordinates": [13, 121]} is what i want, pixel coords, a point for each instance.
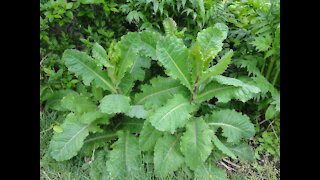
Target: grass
{"type": "Point", "coordinates": [75, 169]}
{"type": "Point", "coordinates": [265, 169]}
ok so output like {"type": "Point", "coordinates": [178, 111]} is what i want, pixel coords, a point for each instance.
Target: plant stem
{"type": "Point", "coordinates": [263, 66]}
{"type": "Point", "coordinates": [195, 90]}
{"type": "Point", "coordinates": [277, 75]}
{"type": "Point", "coordinates": [270, 66]}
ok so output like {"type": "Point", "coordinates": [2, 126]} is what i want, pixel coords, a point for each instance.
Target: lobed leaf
{"type": "Point", "coordinates": [235, 125]}
{"type": "Point", "coordinates": [219, 68]}
{"type": "Point", "coordinates": [210, 40]}
{"type": "Point", "coordinates": [129, 47]}
{"type": "Point", "coordinates": [156, 94]}
{"type": "Point", "coordinates": [167, 156]}
{"type": "Point", "coordinates": [175, 113]}
{"type": "Point", "coordinates": [115, 103]}
{"type": "Point", "coordinates": [137, 111]}
{"type": "Point", "coordinates": [100, 54]}
{"type": "Point", "coordinates": [65, 145]}
{"type": "Point", "coordinates": [83, 65]}
{"type": "Point", "coordinates": [173, 55]}
{"type": "Point", "coordinates": [225, 89]}
{"type": "Point", "coordinates": [196, 143]}
{"type": "Point", "coordinates": [137, 70]}
{"type": "Point", "coordinates": [148, 43]}
{"type": "Point", "coordinates": [78, 103]}
{"type": "Point", "coordinates": [124, 158]}
{"type": "Point", "coordinates": [222, 147]}
{"type": "Point", "coordinates": [148, 137]}
{"type": "Point", "coordinates": [243, 151]}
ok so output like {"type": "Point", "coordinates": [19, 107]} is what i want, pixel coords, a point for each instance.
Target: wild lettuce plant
{"type": "Point", "coordinates": [158, 124]}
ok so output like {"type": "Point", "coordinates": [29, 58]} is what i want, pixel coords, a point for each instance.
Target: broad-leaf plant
{"type": "Point", "coordinates": [167, 121]}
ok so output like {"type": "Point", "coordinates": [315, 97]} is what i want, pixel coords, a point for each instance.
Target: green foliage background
{"type": "Point", "coordinates": [127, 46]}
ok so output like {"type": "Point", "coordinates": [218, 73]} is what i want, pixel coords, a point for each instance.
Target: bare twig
{"type": "Point", "coordinates": [227, 167]}
{"type": "Point", "coordinates": [44, 58]}
{"type": "Point", "coordinates": [227, 161]}
{"type": "Point", "coordinates": [270, 124]}
{"type": "Point", "coordinates": [274, 132]}
{"type": "Point", "coordinates": [46, 130]}
{"type": "Point", "coordinates": [46, 174]}
{"type": "Point", "coordinates": [262, 121]}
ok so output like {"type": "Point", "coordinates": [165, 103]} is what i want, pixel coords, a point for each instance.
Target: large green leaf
{"type": "Point", "coordinates": [157, 93]}
{"type": "Point", "coordinates": [137, 111]}
{"type": "Point", "coordinates": [137, 69]}
{"type": "Point", "coordinates": [225, 89]}
{"type": "Point", "coordinates": [196, 143]}
{"type": "Point", "coordinates": [100, 55]}
{"type": "Point", "coordinates": [173, 55]}
{"type": "Point", "coordinates": [126, 84]}
{"type": "Point", "coordinates": [197, 62]}
{"type": "Point", "coordinates": [129, 47]}
{"type": "Point", "coordinates": [175, 113]}
{"type": "Point", "coordinates": [219, 68]}
{"type": "Point", "coordinates": [65, 145]}
{"type": "Point", "coordinates": [211, 40]}
{"type": "Point", "coordinates": [167, 156]}
{"type": "Point", "coordinates": [235, 125]}
{"type": "Point", "coordinates": [148, 137]}
{"type": "Point", "coordinates": [53, 101]}
{"type": "Point", "coordinates": [115, 103]}
{"type": "Point", "coordinates": [148, 42]}
{"type": "Point", "coordinates": [124, 159]}
{"type": "Point", "coordinates": [78, 103]}
{"type": "Point", "coordinates": [98, 166]}
{"type": "Point", "coordinates": [222, 147]}
{"type": "Point", "coordinates": [243, 151]}
{"type": "Point", "coordinates": [89, 117]}
{"type": "Point", "coordinates": [83, 65]}
{"type": "Point", "coordinates": [133, 125]}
